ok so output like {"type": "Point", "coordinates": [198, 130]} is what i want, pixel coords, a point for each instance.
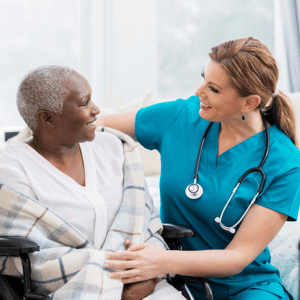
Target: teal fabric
{"type": "Point", "coordinates": [175, 129]}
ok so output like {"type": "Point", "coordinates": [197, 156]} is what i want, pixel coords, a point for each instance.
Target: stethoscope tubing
{"type": "Point", "coordinates": [257, 169]}
{"type": "Point", "coordinates": [200, 150]}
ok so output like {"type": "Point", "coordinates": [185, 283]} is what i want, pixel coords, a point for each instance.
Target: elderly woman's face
{"type": "Point", "coordinates": [77, 123]}
{"type": "Point", "coordinates": [219, 100]}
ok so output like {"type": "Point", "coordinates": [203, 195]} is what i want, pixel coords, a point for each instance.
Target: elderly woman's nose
{"type": "Point", "coordinates": [95, 109]}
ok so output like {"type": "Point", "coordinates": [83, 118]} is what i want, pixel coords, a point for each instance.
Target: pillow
{"type": "Point", "coordinates": [284, 255]}
{"type": "Point", "coordinates": [24, 134]}
{"type": "Point", "coordinates": [150, 158]}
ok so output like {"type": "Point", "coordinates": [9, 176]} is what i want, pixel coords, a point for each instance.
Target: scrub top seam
{"type": "Point", "coordinates": [283, 163]}
{"type": "Point", "coordinates": [287, 146]}
{"type": "Point", "coordinates": [266, 204]}
{"type": "Point", "coordinates": [179, 112]}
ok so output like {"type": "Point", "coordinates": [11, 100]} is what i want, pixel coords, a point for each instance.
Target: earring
{"type": "Point", "coordinates": [243, 117]}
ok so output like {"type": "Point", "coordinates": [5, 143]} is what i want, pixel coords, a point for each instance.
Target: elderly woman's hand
{"type": "Point", "coordinates": [138, 290]}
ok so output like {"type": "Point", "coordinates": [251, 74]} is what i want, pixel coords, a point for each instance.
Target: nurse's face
{"type": "Point", "coordinates": [220, 102]}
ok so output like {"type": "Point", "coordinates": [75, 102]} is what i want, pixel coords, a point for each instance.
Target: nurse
{"type": "Point", "coordinates": [239, 80]}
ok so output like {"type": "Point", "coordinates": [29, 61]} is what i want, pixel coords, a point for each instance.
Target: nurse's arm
{"type": "Point", "coordinates": [257, 230]}
{"type": "Point", "coordinates": [124, 122]}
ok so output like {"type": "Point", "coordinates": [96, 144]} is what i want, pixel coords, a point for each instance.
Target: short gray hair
{"type": "Point", "coordinates": [42, 88]}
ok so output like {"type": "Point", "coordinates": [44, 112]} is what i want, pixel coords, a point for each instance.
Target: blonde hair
{"type": "Point", "coordinates": [252, 70]}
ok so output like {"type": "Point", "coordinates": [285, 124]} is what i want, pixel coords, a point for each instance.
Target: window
{"type": "Point", "coordinates": [122, 47]}
{"type": "Point", "coordinates": [33, 33]}
{"type": "Point", "coordinates": [186, 31]}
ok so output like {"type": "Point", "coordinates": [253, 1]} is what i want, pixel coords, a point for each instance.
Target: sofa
{"type": "Point", "coordinates": [284, 248]}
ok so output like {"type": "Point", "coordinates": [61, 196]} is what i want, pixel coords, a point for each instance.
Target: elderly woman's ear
{"type": "Point", "coordinates": [45, 118]}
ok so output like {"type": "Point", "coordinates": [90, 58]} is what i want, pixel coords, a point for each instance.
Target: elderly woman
{"type": "Point", "coordinates": [244, 123]}
{"type": "Point", "coordinates": [66, 166]}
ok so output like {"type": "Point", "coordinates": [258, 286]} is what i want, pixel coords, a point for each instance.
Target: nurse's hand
{"type": "Point", "coordinates": [141, 262]}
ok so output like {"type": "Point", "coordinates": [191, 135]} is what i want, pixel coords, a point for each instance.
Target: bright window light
{"type": "Point", "coordinates": [186, 31]}
{"type": "Point", "coordinates": [33, 33]}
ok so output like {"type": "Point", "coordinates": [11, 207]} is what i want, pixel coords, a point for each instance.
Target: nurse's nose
{"type": "Point", "coordinates": [200, 90]}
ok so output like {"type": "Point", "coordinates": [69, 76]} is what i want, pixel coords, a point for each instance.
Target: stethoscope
{"type": "Point", "coordinates": [195, 191]}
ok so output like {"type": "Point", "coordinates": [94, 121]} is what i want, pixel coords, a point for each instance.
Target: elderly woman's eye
{"type": "Point", "coordinates": [86, 103]}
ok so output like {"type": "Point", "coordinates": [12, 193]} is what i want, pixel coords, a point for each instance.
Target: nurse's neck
{"type": "Point", "coordinates": [234, 131]}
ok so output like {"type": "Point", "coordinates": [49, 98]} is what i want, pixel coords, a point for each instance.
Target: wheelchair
{"type": "Point", "coordinates": [12, 288]}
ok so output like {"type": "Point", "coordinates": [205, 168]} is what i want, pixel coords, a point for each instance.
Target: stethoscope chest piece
{"type": "Point", "coordinates": [194, 191]}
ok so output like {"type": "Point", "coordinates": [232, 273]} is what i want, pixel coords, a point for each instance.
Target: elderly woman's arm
{"type": "Point", "coordinates": [123, 122]}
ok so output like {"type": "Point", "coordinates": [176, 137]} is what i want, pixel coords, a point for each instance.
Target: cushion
{"type": "Point", "coordinates": [150, 158]}
{"type": "Point", "coordinates": [284, 253]}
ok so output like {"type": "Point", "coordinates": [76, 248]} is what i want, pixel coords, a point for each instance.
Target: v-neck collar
{"type": "Point", "coordinates": [87, 165]}
{"type": "Point", "coordinates": [213, 161]}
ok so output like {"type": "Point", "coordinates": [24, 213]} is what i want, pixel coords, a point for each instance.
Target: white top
{"type": "Point", "coordinates": [91, 208]}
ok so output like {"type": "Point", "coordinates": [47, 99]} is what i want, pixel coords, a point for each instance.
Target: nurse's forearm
{"type": "Point", "coordinates": [209, 263]}
{"type": "Point", "coordinates": [124, 122]}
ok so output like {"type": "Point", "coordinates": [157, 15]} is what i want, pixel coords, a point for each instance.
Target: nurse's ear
{"type": "Point", "coordinates": [251, 103]}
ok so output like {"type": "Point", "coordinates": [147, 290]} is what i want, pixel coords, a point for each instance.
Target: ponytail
{"type": "Point", "coordinates": [281, 113]}
{"type": "Point", "coordinates": [252, 70]}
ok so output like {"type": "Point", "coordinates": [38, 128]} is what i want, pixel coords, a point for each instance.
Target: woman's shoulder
{"type": "Point", "coordinates": [13, 164]}
{"type": "Point", "coordinates": [106, 142]}
{"type": "Point", "coordinates": [281, 142]}
{"type": "Point", "coordinates": [179, 103]}
{"type": "Point", "coordinates": [163, 114]}
{"type": "Point", "coordinates": [283, 151]}
{"type": "Point", "coordinates": [14, 151]}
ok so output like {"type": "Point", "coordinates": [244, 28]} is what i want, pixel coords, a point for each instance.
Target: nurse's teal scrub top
{"type": "Point", "coordinates": [175, 129]}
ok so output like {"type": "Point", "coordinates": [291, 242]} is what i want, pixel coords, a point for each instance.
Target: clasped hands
{"type": "Point", "coordinates": [140, 269]}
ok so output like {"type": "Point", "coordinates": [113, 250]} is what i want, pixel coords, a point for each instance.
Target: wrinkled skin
{"type": "Point", "coordinates": [138, 290]}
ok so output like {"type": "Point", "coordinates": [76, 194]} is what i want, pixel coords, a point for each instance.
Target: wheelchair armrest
{"type": "Point", "coordinates": [180, 280]}
{"type": "Point", "coordinates": [16, 245]}
{"type": "Point", "coordinates": [171, 231]}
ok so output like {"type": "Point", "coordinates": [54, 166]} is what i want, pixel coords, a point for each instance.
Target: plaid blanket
{"type": "Point", "coordinates": [68, 266]}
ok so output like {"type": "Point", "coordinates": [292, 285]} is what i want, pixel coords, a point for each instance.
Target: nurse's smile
{"type": "Point", "coordinates": [204, 106]}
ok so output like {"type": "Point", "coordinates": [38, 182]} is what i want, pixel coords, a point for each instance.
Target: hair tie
{"type": "Point", "coordinates": [275, 94]}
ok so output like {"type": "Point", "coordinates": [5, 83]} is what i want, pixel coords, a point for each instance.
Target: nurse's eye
{"type": "Point", "coordinates": [213, 89]}
{"type": "Point", "coordinates": [202, 75]}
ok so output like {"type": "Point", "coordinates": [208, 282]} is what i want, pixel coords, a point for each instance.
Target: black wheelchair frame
{"type": "Point", "coordinates": [12, 288]}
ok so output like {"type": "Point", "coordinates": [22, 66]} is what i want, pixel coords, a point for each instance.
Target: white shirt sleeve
{"type": "Point", "coordinates": [15, 179]}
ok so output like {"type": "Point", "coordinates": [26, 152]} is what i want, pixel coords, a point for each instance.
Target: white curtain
{"type": "Point", "coordinates": [290, 10]}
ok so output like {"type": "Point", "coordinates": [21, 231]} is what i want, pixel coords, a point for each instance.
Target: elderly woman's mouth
{"type": "Point", "coordinates": [93, 123]}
